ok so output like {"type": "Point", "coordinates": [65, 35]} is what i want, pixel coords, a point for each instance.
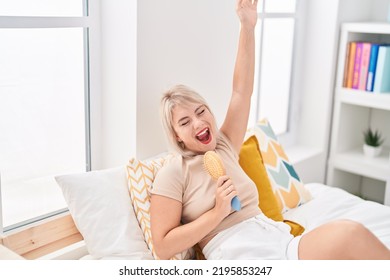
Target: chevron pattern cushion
{"type": "Point", "coordinates": [141, 175]}
{"type": "Point", "coordinates": [288, 188]}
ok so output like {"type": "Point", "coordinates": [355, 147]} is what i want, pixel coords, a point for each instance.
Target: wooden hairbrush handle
{"type": "Point", "coordinates": [215, 168]}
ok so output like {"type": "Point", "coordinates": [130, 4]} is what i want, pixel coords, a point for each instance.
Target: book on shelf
{"type": "Point", "coordinates": [367, 67]}
{"type": "Point", "coordinates": [357, 65]}
{"type": "Point", "coordinates": [382, 75]}
{"type": "Point", "coordinates": [364, 63]}
{"type": "Point", "coordinates": [348, 53]}
{"type": "Point", "coordinates": [372, 67]}
{"type": "Point", "coordinates": [349, 64]}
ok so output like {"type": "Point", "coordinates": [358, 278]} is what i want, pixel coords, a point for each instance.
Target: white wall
{"type": "Point", "coordinates": [355, 10]}
{"type": "Point", "coordinates": [118, 82]}
{"type": "Point", "coordinates": [380, 10]}
{"type": "Point", "coordinates": [182, 41]}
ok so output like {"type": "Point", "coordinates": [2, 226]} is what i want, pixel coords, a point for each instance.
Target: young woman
{"type": "Point", "coordinates": [188, 207]}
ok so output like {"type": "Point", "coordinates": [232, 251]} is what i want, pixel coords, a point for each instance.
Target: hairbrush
{"type": "Point", "coordinates": [214, 166]}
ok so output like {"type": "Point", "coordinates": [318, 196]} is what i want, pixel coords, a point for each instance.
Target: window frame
{"type": "Point", "coordinates": [90, 24]}
{"type": "Point", "coordinates": [288, 137]}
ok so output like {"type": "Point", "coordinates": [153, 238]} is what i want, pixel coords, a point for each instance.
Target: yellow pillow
{"type": "Point", "coordinates": [251, 162]}
{"type": "Point", "coordinates": [296, 229]}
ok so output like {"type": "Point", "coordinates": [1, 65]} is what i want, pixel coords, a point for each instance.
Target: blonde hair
{"type": "Point", "coordinates": [177, 95]}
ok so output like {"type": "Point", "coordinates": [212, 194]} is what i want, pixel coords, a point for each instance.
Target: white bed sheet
{"type": "Point", "coordinates": [331, 203]}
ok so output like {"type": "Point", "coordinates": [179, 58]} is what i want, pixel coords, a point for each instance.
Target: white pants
{"type": "Point", "coordinates": [256, 238]}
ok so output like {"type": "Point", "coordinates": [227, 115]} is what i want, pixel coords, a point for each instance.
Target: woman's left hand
{"type": "Point", "coordinates": [247, 12]}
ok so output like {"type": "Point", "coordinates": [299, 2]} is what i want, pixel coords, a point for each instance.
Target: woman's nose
{"type": "Point", "coordinates": [197, 123]}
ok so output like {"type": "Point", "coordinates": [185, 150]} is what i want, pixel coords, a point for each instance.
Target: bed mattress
{"type": "Point", "coordinates": [331, 203]}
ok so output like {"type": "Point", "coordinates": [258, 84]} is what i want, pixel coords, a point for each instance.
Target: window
{"type": "Point", "coordinates": [70, 8]}
{"type": "Point", "coordinates": [275, 33]}
{"type": "Point", "coordinates": [44, 101]}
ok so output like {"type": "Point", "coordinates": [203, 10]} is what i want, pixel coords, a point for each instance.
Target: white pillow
{"type": "Point", "coordinates": [100, 205]}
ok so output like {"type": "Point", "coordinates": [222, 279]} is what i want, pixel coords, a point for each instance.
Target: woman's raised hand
{"type": "Point", "coordinates": [247, 12]}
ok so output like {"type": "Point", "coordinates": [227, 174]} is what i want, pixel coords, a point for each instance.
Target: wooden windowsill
{"type": "Point", "coordinates": [42, 238]}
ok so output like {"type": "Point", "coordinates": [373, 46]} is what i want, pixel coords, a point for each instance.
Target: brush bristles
{"type": "Point", "coordinates": [213, 165]}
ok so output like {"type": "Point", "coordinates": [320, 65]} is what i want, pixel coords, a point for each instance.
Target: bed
{"type": "Point", "coordinates": [109, 209]}
{"type": "Point", "coordinates": [327, 204]}
{"type": "Point", "coordinates": [331, 203]}
{"type": "Point", "coordinates": [283, 196]}
{"type": "Point", "coordinates": [114, 233]}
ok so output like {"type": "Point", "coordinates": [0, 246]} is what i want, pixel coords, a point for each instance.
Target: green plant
{"type": "Point", "coordinates": [373, 138]}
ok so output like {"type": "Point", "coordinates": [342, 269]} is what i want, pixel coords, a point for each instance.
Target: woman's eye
{"type": "Point", "coordinates": [184, 123]}
{"type": "Point", "coordinates": [201, 112]}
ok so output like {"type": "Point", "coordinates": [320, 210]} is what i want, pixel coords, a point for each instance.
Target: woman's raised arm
{"type": "Point", "coordinates": [236, 120]}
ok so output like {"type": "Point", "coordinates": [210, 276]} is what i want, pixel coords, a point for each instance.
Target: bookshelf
{"type": "Point", "coordinates": [354, 111]}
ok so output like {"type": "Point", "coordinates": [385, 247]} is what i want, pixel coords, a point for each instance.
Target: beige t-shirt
{"type": "Point", "coordinates": [185, 179]}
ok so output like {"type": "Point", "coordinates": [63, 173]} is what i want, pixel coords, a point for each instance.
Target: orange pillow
{"type": "Point", "coordinates": [251, 162]}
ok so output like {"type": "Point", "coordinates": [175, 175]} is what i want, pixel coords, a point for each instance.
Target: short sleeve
{"type": "Point", "coordinates": [169, 180]}
{"type": "Point", "coordinates": [225, 144]}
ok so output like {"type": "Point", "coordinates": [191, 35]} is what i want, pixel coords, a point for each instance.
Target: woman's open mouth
{"type": "Point", "coordinates": [204, 136]}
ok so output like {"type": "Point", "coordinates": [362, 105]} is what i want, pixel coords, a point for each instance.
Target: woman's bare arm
{"type": "Point", "coordinates": [170, 237]}
{"type": "Point", "coordinates": [236, 121]}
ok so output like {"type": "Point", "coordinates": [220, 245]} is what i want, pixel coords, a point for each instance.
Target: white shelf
{"type": "Point", "coordinates": [364, 98]}
{"type": "Point", "coordinates": [367, 27]}
{"type": "Point", "coordinates": [369, 109]}
{"type": "Point", "coordinates": [354, 161]}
